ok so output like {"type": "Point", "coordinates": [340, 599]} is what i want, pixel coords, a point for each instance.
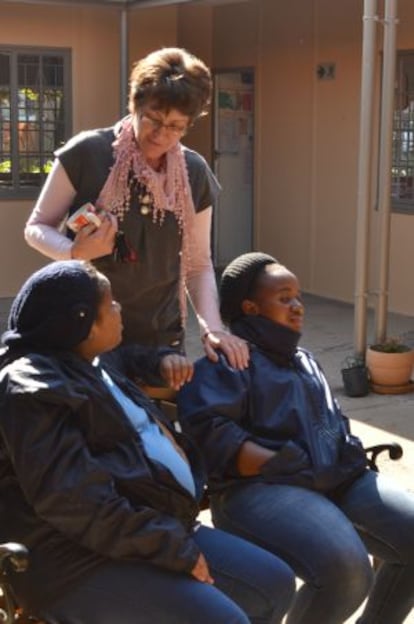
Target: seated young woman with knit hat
{"type": "Point", "coordinates": [284, 469]}
{"type": "Point", "coordinates": [100, 487]}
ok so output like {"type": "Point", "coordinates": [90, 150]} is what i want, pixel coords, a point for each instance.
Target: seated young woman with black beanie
{"type": "Point", "coordinates": [99, 486]}
{"type": "Point", "coordinates": [284, 469]}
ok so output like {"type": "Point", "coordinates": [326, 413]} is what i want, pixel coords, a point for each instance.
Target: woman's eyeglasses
{"type": "Point", "coordinates": [157, 125]}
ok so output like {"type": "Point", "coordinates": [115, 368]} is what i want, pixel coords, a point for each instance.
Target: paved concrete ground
{"type": "Point", "coordinates": [375, 418]}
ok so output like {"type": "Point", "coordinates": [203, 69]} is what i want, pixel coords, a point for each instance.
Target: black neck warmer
{"type": "Point", "coordinates": [277, 342]}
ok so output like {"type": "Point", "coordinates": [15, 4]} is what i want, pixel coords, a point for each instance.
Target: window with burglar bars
{"type": "Point", "coordinates": [34, 116]}
{"type": "Point", "coordinates": [403, 135]}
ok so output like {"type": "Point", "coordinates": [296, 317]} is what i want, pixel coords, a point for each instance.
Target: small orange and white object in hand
{"type": "Point", "coordinates": [85, 215]}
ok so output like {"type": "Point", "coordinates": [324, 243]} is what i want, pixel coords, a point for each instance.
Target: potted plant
{"type": "Point", "coordinates": [355, 376]}
{"type": "Point", "coordinates": [390, 365]}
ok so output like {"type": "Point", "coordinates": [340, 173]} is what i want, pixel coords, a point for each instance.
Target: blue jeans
{"type": "Point", "coordinates": [251, 585]}
{"type": "Point", "coordinates": [326, 544]}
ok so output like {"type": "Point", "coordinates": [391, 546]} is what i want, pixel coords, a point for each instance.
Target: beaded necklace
{"type": "Point", "coordinates": [157, 192]}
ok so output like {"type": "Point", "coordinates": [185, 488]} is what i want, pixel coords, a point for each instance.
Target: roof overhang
{"type": "Point", "coordinates": [103, 3]}
{"type": "Point", "coordinates": [123, 4]}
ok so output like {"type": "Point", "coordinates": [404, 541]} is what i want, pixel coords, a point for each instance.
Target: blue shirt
{"type": "Point", "coordinates": [157, 445]}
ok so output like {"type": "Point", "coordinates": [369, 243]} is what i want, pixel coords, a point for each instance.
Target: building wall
{"type": "Point", "coordinates": [307, 130]}
{"type": "Point", "coordinates": [402, 230]}
{"type": "Point", "coordinates": [93, 37]}
{"type": "Point", "coordinates": [307, 138]}
{"type": "Point", "coordinates": [150, 29]}
{"type": "Point", "coordinates": [195, 33]}
{"type": "Point", "coordinates": [189, 27]}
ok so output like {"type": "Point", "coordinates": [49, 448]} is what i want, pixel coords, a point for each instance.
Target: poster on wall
{"type": "Point", "coordinates": [229, 103]}
{"type": "Point", "coordinates": [229, 141]}
{"type": "Point", "coordinates": [233, 163]}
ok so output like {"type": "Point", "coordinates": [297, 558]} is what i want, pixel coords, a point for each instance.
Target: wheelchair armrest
{"type": "Point", "coordinates": [394, 450]}
{"type": "Point", "coordinates": [13, 554]}
{"type": "Point", "coordinates": [13, 557]}
{"type": "Point", "coordinates": [160, 393]}
{"type": "Point", "coordinates": [166, 400]}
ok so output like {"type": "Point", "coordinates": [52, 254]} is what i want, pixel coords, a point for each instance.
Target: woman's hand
{"type": "Point", "coordinates": [251, 457]}
{"type": "Point", "coordinates": [201, 571]}
{"type": "Point", "coordinates": [290, 459]}
{"type": "Point", "coordinates": [234, 348]}
{"type": "Point", "coordinates": [94, 242]}
{"type": "Point", "coordinates": [176, 370]}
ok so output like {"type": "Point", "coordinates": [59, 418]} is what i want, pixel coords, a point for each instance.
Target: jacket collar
{"type": "Point", "coordinates": [276, 341]}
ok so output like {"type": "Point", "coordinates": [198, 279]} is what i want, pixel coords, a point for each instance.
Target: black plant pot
{"type": "Point", "coordinates": [356, 381]}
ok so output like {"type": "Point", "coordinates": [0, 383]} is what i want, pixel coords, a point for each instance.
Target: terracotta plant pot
{"type": "Point", "coordinates": [390, 369]}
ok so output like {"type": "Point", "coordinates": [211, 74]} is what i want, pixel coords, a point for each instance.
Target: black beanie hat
{"type": "Point", "coordinates": [55, 308]}
{"type": "Point", "coordinates": [237, 280]}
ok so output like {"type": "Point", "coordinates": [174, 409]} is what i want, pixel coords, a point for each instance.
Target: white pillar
{"type": "Point", "coordinates": [385, 164]}
{"type": "Point", "coordinates": [369, 55]}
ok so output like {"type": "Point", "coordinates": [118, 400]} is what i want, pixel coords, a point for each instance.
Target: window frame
{"type": "Point", "coordinates": [17, 192]}
{"type": "Point", "coordinates": [399, 205]}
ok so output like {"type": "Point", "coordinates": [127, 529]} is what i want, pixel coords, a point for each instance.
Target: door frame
{"type": "Point", "coordinates": [215, 152]}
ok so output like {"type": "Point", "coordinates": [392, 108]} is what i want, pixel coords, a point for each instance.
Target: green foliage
{"type": "Point", "coordinates": [47, 166]}
{"type": "Point", "coordinates": [30, 94]}
{"type": "Point", "coordinates": [5, 166]}
{"type": "Point", "coordinates": [32, 167]}
{"type": "Point", "coordinates": [391, 345]}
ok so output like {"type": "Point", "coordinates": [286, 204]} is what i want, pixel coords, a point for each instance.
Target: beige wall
{"type": "Point", "coordinates": [150, 29]}
{"type": "Point", "coordinates": [307, 137]}
{"type": "Point", "coordinates": [189, 27]}
{"type": "Point", "coordinates": [195, 33]}
{"type": "Point", "coordinates": [93, 37]}
{"type": "Point", "coordinates": [307, 130]}
{"type": "Point", "coordinates": [402, 231]}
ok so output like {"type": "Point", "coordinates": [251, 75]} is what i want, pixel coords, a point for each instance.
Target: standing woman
{"type": "Point", "coordinates": [156, 195]}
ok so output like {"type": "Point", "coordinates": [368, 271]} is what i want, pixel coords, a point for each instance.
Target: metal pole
{"type": "Point", "coordinates": [385, 165]}
{"type": "Point", "coordinates": [370, 20]}
{"type": "Point", "coordinates": [123, 61]}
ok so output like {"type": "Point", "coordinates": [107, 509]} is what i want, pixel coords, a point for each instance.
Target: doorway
{"type": "Point", "coordinates": [233, 163]}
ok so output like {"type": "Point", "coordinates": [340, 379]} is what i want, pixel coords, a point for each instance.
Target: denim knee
{"type": "Point", "coordinates": [311, 534]}
{"type": "Point", "coordinates": [276, 582]}
{"type": "Point", "coordinates": [259, 582]}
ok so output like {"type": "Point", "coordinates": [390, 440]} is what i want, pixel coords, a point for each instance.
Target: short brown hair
{"type": "Point", "coordinates": [171, 78]}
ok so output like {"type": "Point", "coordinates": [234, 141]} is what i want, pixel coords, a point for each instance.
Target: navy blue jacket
{"type": "Point", "coordinates": [286, 408]}
{"type": "Point", "coordinates": [75, 484]}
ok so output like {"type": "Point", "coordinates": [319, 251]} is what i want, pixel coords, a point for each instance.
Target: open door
{"type": "Point", "coordinates": [233, 163]}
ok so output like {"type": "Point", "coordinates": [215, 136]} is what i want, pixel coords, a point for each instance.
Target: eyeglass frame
{"type": "Point", "coordinates": [171, 129]}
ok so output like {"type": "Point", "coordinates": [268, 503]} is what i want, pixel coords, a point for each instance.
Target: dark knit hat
{"type": "Point", "coordinates": [55, 308]}
{"type": "Point", "coordinates": [237, 280]}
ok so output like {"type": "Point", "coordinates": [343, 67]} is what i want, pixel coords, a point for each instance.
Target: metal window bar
{"type": "Point", "coordinates": [402, 189]}
{"type": "Point", "coordinates": [38, 110]}
{"type": "Point", "coordinates": [5, 121]}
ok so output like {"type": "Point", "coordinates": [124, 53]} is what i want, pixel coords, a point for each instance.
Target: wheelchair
{"type": "Point", "coordinates": [15, 557]}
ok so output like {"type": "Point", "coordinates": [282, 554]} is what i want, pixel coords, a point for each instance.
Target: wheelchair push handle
{"type": "Point", "coordinates": [14, 554]}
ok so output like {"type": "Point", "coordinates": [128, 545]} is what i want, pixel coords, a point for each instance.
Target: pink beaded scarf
{"type": "Point", "coordinates": [170, 191]}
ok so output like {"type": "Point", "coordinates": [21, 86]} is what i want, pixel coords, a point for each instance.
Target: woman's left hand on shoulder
{"type": "Point", "coordinates": [234, 348]}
